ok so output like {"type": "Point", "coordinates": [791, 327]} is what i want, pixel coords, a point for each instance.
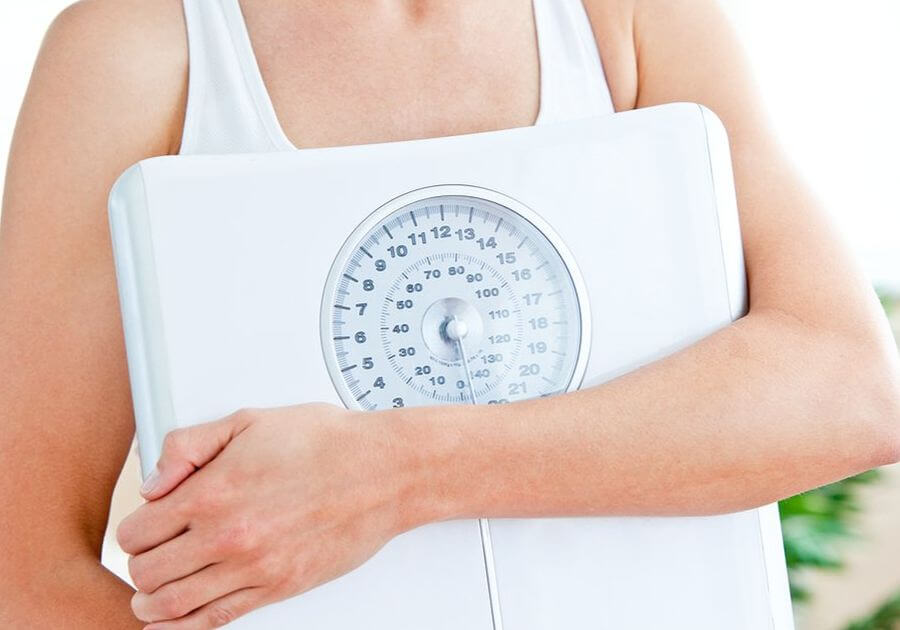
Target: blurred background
{"type": "Point", "coordinates": [829, 72]}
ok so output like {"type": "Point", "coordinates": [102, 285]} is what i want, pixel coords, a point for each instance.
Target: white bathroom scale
{"type": "Point", "coordinates": [484, 268]}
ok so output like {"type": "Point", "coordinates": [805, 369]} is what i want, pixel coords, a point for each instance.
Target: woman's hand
{"type": "Point", "coordinates": [260, 506]}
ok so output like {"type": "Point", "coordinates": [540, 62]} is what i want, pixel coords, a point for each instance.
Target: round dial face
{"type": "Point", "coordinates": [453, 294]}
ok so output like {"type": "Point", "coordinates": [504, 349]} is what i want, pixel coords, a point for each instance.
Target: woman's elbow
{"type": "Point", "coordinates": [891, 452]}
{"type": "Point", "coordinates": [880, 374]}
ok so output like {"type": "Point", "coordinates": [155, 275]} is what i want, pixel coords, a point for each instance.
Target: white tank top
{"type": "Point", "coordinates": [229, 109]}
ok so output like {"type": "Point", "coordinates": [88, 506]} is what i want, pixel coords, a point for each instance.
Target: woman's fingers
{"type": "Point", "coordinates": [164, 516]}
{"type": "Point", "coordinates": [175, 600]}
{"type": "Point", "coordinates": [219, 612]}
{"type": "Point", "coordinates": [173, 560]}
{"type": "Point", "coordinates": [153, 524]}
{"type": "Point", "coordinates": [185, 450]}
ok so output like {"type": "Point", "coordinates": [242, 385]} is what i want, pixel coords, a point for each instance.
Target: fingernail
{"type": "Point", "coordinates": [151, 482]}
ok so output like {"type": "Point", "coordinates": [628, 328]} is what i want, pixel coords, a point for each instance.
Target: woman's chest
{"type": "Point", "coordinates": [358, 72]}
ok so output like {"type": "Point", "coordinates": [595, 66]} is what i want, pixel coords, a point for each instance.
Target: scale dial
{"type": "Point", "coordinates": [453, 294]}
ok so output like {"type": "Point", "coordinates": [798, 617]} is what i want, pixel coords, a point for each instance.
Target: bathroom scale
{"type": "Point", "coordinates": [485, 269]}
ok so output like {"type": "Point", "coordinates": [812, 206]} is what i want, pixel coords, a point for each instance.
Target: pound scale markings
{"type": "Point", "coordinates": [392, 334]}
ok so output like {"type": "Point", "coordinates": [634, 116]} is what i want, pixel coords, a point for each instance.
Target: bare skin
{"type": "Point", "coordinates": [802, 391]}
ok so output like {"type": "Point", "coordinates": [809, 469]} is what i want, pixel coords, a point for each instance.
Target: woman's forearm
{"type": "Point", "coordinates": [758, 411]}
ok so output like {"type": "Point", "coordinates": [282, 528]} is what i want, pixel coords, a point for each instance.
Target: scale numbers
{"type": "Point", "coordinates": [453, 294]}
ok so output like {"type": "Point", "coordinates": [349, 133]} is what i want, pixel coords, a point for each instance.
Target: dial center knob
{"type": "Point", "coordinates": [456, 329]}
{"type": "Point", "coordinates": [448, 320]}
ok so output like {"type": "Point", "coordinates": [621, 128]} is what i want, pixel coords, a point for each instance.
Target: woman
{"type": "Point", "coordinates": [803, 390]}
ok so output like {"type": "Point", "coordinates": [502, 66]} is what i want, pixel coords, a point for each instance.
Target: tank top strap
{"type": "Point", "coordinates": [228, 107]}
{"type": "Point", "coordinates": [573, 83]}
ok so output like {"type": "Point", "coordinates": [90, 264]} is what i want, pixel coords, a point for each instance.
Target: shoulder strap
{"type": "Point", "coordinates": [573, 83]}
{"type": "Point", "coordinates": [228, 110]}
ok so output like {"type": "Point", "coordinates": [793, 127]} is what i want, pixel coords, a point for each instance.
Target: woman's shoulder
{"type": "Point", "coordinates": [142, 26]}
{"type": "Point", "coordinates": [119, 53]}
{"type": "Point", "coordinates": [663, 50]}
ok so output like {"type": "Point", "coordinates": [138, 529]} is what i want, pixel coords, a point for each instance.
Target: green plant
{"type": "Point", "coordinates": [815, 523]}
{"type": "Point", "coordinates": [887, 617]}
{"type": "Point", "coordinates": [889, 302]}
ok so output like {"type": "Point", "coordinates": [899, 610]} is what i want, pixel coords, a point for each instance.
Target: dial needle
{"type": "Point", "coordinates": [456, 330]}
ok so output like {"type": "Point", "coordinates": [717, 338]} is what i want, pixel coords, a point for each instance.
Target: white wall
{"type": "Point", "coordinates": [829, 71]}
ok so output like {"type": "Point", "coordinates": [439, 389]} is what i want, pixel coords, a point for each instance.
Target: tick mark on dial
{"type": "Point", "coordinates": [364, 395]}
{"type": "Point", "coordinates": [387, 231]}
{"type": "Point", "coordinates": [342, 307]}
{"type": "Point", "coordinates": [412, 215]}
{"type": "Point", "coordinates": [366, 252]}
{"type": "Point", "coordinates": [349, 367]}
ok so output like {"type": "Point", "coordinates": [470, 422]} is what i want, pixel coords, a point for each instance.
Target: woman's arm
{"type": "Point", "coordinates": [803, 390]}
{"type": "Point", "coordinates": [65, 407]}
